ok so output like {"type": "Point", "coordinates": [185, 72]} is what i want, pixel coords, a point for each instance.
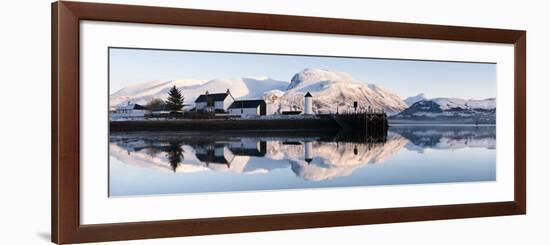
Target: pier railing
{"type": "Point", "coordinates": [374, 122]}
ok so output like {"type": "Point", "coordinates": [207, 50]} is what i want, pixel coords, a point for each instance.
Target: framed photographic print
{"type": "Point", "coordinates": [177, 122]}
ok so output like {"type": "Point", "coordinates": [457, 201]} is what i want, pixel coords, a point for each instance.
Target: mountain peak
{"type": "Point", "coordinates": [413, 99]}
{"type": "Point", "coordinates": [332, 91]}
{"type": "Point", "coordinates": [314, 75]}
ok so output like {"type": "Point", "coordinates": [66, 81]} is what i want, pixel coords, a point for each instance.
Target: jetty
{"type": "Point", "coordinates": [370, 123]}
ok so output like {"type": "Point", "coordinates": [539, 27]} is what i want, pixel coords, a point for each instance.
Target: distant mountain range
{"type": "Point", "coordinates": [333, 91]}
{"type": "Point", "coordinates": [451, 110]}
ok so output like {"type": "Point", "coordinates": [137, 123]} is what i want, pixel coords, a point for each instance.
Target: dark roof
{"type": "Point", "coordinates": [248, 152]}
{"type": "Point", "coordinates": [139, 107]}
{"type": "Point", "coordinates": [131, 106]}
{"type": "Point", "coordinates": [291, 112]}
{"type": "Point", "coordinates": [247, 104]}
{"type": "Point", "coordinates": [308, 95]}
{"type": "Point", "coordinates": [215, 97]}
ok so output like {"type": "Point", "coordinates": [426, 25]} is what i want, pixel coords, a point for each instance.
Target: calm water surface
{"type": "Point", "coordinates": [147, 163]}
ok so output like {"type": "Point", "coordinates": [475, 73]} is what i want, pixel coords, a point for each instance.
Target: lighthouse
{"type": "Point", "coordinates": [308, 104]}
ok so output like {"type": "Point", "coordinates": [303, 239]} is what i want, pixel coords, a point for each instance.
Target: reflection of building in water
{"type": "Point", "coordinates": [248, 147]}
{"type": "Point", "coordinates": [227, 152]}
{"type": "Point", "coordinates": [215, 153]}
{"type": "Point", "coordinates": [308, 151]}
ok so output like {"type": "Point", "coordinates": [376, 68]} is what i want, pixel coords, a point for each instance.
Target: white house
{"type": "Point", "coordinates": [219, 102]}
{"type": "Point", "coordinates": [248, 108]}
{"type": "Point", "coordinates": [129, 110]}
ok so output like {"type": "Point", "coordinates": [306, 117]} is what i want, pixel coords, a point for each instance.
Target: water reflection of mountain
{"type": "Point", "coordinates": [447, 137]}
{"type": "Point", "coordinates": [311, 156]}
{"type": "Point", "coordinates": [331, 159]}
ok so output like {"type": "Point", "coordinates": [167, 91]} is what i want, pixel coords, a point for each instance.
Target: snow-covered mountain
{"type": "Point", "coordinates": [413, 99]}
{"type": "Point", "coordinates": [142, 92]}
{"type": "Point", "coordinates": [247, 87]}
{"type": "Point", "coordinates": [450, 110]}
{"type": "Point", "coordinates": [332, 91]}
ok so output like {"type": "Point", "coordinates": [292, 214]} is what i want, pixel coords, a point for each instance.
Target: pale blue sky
{"type": "Point", "coordinates": [403, 77]}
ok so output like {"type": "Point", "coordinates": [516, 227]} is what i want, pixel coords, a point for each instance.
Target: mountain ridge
{"type": "Point", "coordinates": [333, 91]}
{"type": "Point", "coordinates": [413, 99]}
{"type": "Point", "coordinates": [449, 110]}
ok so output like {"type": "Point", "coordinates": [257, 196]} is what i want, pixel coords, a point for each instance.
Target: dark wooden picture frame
{"type": "Point", "coordinates": [65, 175]}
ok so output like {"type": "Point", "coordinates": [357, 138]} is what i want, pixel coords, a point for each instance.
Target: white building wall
{"type": "Point", "coordinates": [227, 102]}
{"type": "Point", "coordinates": [219, 105]}
{"type": "Point", "coordinates": [308, 106]}
{"type": "Point", "coordinates": [200, 105]}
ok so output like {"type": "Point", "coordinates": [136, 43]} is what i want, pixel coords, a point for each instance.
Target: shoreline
{"type": "Point", "coordinates": [374, 123]}
{"type": "Point", "coordinates": [314, 124]}
{"type": "Point", "coordinates": [446, 124]}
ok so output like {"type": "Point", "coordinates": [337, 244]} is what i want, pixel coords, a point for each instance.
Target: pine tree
{"type": "Point", "coordinates": [175, 99]}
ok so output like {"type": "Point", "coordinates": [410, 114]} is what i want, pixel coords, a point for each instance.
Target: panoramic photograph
{"type": "Point", "coordinates": [191, 122]}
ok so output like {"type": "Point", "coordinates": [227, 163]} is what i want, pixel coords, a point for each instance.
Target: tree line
{"type": "Point", "coordinates": [173, 103]}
